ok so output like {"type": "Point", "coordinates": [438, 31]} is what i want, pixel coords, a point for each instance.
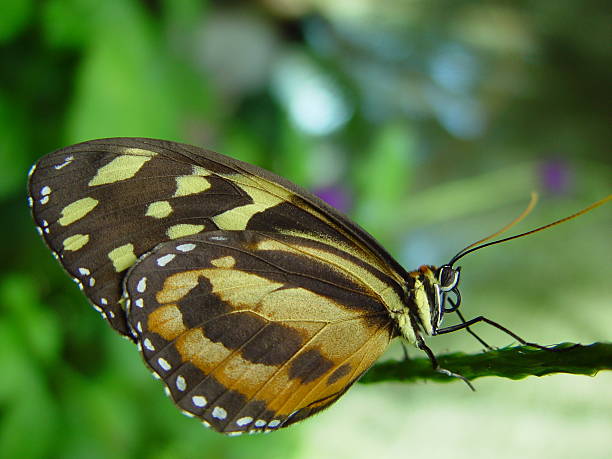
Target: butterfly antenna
{"type": "Point", "coordinates": [477, 245]}
{"type": "Point", "coordinates": [532, 203]}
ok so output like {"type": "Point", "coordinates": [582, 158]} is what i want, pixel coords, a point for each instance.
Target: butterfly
{"type": "Point", "coordinates": [256, 303]}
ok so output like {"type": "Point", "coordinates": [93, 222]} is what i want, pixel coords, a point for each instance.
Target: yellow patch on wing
{"type": "Point", "coordinates": [190, 184]}
{"type": "Point", "coordinates": [122, 167]}
{"type": "Point", "coordinates": [265, 195]}
{"type": "Point", "coordinates": [238, 217]}
{"type": "Point", "coordinates": [177, 286]}
{"type": "Point", "coordinates": [167, 322]}
{"type": "Point", "coordinates": [224, 262]}
{"type": "Point", "coordinates": [77, 210]}
{"type": "Point", "coordinates": [182, 230]}
{"type": "Point", "coordinates": [302, 304]}
{"type": "Point", "coordinates": [238, 288]}
{"type": "Point", "coordinates": [122, 257]}
{"type": "Point", "coordinates": [158, 209]}
{"type": "Point", "coordinates": [75, 242]}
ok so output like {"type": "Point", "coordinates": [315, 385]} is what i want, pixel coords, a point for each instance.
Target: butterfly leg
{"type": "Point", "coordinates": [473, 333]}
{"type": "Point", "coordinates": [466, 325]}
{"type": "Point", "coordinates": [455, 308]}
{"type": "Point", "coordinates": [436, 366]}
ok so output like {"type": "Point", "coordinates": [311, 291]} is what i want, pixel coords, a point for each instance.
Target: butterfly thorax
{"type": "Point", "coordinates": [421, 312]}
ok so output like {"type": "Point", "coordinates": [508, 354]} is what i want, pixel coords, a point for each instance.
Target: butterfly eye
{"type": "Point", "coordinates": [448, 278]}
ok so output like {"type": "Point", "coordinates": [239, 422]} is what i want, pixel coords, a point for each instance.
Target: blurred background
{"type": "Point", "coordinates": [428, 122]}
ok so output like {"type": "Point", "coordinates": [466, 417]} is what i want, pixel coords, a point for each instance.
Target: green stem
{"type": "Point", "coordinates": [510, 362]}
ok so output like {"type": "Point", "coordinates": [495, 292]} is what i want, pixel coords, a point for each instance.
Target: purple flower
{"type": "Point", "coordinates": [336, 196]}
{"type": "Point", "coordinates": [555, 176]}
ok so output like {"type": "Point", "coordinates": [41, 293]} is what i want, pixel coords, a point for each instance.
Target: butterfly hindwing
{"type": "Point", "coordinates": [252, 330]}
{"type": "Point", "coordinates": [101, 205]}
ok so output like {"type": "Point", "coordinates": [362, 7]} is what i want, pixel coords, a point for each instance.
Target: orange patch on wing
{"type": "Point", "coordinates": [167, 322]}
{"type": "Point", "coordinates": [286, 395]}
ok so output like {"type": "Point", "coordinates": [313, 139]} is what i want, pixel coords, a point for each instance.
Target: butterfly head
{"type": "Point", "coordinates": [432, 294]}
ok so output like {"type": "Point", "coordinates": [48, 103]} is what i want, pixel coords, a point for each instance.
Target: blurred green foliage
{"type": "Point", "coordinates": [436, 119]}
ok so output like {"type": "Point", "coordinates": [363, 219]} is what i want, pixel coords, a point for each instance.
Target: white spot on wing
{"type": "Point", "coordinates": [245, 421]}
{"type": "Point", "coordinates": [139, 302]}
{"type": "Point", "coordinates": [45, 191]}
{"type": "Point", "coordinates": [92, 282]}
{"type": "Point", "coordinates": [217, 238]}
{"type": "Point", "coordinates": [31, 171]}
{"type": "Point", "coordinates": [67, 161]}
{"type": "Point", "coordinates": [199, 400]}
{"type": "Point", "coordinates": [142, 285]}
{"type": "Point", "coordinates": [139, 327]}
{"type": "Point", "coordinates": [103, 301]}
{"type": "Point", "coordinates": [260, 423]}
{"type": "Point", "coordinates": [181, 384]}
{"type": "Point", "coordinates": [219, 413]}
{"type": "Point", "coordinates": [274, 423]}
{"type": "Point", "coordinates": [163, 261]}
{"type": "Point", "coordinates": [84, 271]}
{"type": "Point", "coordinates": [149, 345]}
{"type": "Point", "coordinates": [185, 247]}
{"type": "Point", "coordinates": [44, 200]}
{"type": "Point", "coordinates": [164, 363]}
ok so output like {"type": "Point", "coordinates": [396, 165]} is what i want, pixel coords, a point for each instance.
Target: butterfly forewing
{"type": "Point", "coordinates": [102, 204]}
{"type": "Point", "coordinates": [252, 330]}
